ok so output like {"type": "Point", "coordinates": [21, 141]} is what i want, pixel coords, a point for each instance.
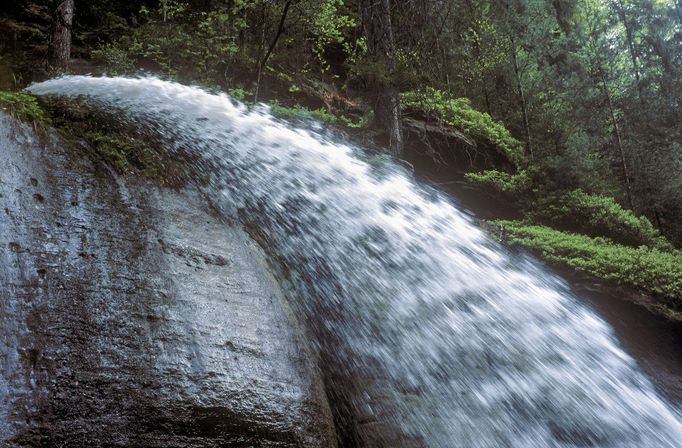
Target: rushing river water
{"type": "Point", "coordinates": [428, 333]}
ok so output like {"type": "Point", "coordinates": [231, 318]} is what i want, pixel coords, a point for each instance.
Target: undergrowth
{"type": "Point", "coordinates": [23, 106]}
{"type": "Point", "coordinates": [646, 269]}
{"type": "Point", "coordinates": [459, 114]}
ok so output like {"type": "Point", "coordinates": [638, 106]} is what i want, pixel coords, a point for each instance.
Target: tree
{"type": "Point", "coordinates": [264, 60]}
{"type": "Point", "coordinates": [59, 51]}
{"type": "Point", "coordinates": [522, 96]}
{"type": "Point", "coordinates": [376, 18]}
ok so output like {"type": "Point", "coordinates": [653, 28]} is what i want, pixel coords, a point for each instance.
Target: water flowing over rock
{"type": "Point", "coordinates": [132, 315]}
{"type": "Point", "coordinates": [428, 333]}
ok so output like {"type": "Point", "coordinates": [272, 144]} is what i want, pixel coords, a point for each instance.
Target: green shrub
{"type": "Point", "coordinates": [648, 269]}
{"type": "Point", "coordinates": [458, 113]}
{"type": "Point", "coordinates": [113, 58]}
{"type": "Point", "coordinates": [24, 106]}
{"type": "Point", "coordinates": [518, 183]}
{"type": "Point", "coordinates": [595, 215]}
{"type": "Point", "coordinates": [299, 112]}
{"type": "Point", "coordinates": [361, 123]}
{"type": "Point", "coordinates": [171, 39]}
{"type": "Point", "coordinates": [239, 93]}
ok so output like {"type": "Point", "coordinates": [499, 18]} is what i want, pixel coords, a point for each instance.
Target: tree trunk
{"type": "Point", "coordinates": [631, 47]}
{"type": "Point", "coordinates": [522, 98]}
{"type": "Point", "coordinates": [376, 17]}
{"type": "Point", "coordinates": [262, 62]}
{"type": "Point", "coordinates": [60, 38]}
{"type": "Point", "coordinates": [619, 143]}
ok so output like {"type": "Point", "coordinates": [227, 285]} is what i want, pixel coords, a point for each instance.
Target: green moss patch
{"type": "Point", "coordinates": [111, 138]}
{"type": "Point", "coordinates": [647, 269]}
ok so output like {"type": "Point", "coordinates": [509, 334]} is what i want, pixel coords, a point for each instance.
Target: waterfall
{"type": "Point", "coordinates": [427, 331]}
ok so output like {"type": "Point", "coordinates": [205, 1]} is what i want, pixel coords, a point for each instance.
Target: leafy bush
{"type": "Point", "coordinates": [239, 94]}
{"type": "Point", "coordinates": [458, 113]}
{"type": "Point", "coordinates": [176, 42]}
{"type": "Point", "coordinates": [23, 105]}
{"type": "Point", "coordinates": [518, 183]}
{"type": "Point", "coordinates": [595, 215]}
{"type": "Point", "coordinates": [299, 112]}
{"type": "Point", "coordinates": [647, 269]}
{"type": "Point", "coordinates": [113, 58]}
{"type": "Point", "coordinates": [329, 26]}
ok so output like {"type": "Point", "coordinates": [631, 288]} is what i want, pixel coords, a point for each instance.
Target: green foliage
{"type": "Point", "coordinates": [194, 45]}
{"type": "Point", "coordinates": [363, 122]}
{"type": "Point", "coordinates": [24, 106]}
{"type": "Point", "coordinates": [301, 113]}
{"type": "Point", "coordinates": [596, 215]}
{"type": "Point", "coordinates": [648, 269]}
{"type": "Point", "coordinates": [517, 183]}
{"type": "Point", "coordinates": [239, 93]}
{"type": "Point", "coordinates": [329, 26]}
{"type": "Point", "coordinates": [576, 165]}
{"type": "Point", "coordinates": [115, 59]}
{"type": "Point", "coordinates": [458, 113]}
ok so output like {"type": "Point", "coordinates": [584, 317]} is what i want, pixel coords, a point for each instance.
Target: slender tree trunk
{"type": "Point", "coordinates": [488, 107]}
{"type": "Point", "coordinates": [631, 46]}
{"type": "Point", "coordinates": [262, 62]}
{"type": "Point", "coordinates": [376, 17]}
{"type": "Point", "coordinates": [522, 97]}
{"type": "Point", "coordinates": [164, 9]}
{"type": "Point", "coordinates": [60, 38]}
{"type": "Point", "coordinates": [619, 142]}
{"type": "Point", "coordinates": [659, 224]}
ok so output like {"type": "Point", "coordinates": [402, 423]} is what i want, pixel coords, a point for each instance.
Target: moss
{"type": "Point", "coordinates": [124, 153]}
{"type": "Point", "coordinates": [24, 106]}
{"type": "Point", "coordinates": [647, 269]}
{"type": "Point", "coordinates": [117, 144]}
{"type": "Point", "coordinates": [458, 113]}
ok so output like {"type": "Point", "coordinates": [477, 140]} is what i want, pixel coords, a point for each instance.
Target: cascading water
{"type": "Point", "coordinates": [429, 334]}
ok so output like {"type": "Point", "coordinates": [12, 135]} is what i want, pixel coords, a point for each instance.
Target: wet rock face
{"type": "Point", "coordinates": [131, 315]}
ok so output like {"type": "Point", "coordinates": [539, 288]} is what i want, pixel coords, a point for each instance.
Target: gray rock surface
{"type": "Point", "coordinates": [132, 315]}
